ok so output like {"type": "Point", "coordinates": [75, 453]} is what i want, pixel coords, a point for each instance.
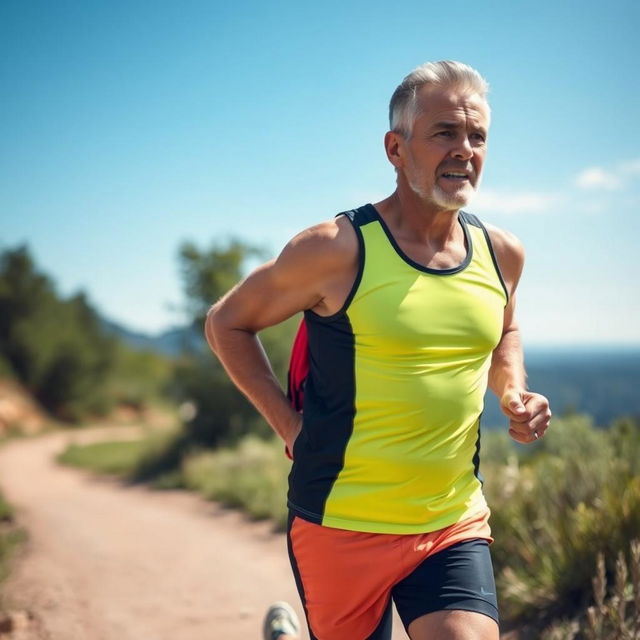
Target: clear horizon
{"type": "Point", "coordinates": [130, 128]}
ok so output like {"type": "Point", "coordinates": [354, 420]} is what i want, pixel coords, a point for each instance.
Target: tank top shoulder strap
{"type": "Point", "coordinates": [360, 216]}
{"type": "Point", "coordinates": [474, 221]}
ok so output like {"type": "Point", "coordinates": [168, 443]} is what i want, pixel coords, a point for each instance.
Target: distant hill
{"type": "Point", "coordinates": [169, 343]}
{"type": "Point", "coordinates": [602, 381]}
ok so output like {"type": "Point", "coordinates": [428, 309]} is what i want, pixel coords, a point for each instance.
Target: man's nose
{"type": "Point", "coordinates": [463, 149]}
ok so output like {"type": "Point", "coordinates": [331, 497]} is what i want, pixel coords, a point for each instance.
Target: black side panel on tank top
{"type": "Point", "coordinates": [329, 402]}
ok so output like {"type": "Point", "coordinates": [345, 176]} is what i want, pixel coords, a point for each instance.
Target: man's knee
{"type": "Point", "coordinates": [454, 625]}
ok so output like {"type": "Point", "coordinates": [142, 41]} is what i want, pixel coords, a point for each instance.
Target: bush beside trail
{"type": "Point", "coordinates": [251, 476]}
{"type": "Point", "coordinates": [10, 537]}
{"type": "Point", "coordinates": [555, 508]}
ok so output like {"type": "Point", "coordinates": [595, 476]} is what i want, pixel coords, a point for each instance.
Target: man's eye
{"type": "Point", "coordinates": [478, 137]}
{"type": "Point", "coordinates": [448, 134]}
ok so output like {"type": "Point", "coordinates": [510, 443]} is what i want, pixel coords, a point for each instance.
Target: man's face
{"type": "Point", "coordinates": [442, 161]}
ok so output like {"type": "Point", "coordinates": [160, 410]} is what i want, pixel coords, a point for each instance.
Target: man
{"type": "Point", "coordinates": [410, 312]}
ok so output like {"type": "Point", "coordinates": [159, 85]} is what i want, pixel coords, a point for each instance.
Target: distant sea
{"type": "Point", "coordinates": [601, 380]}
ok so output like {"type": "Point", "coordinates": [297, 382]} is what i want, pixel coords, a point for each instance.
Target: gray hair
{"type": "Point", "coordinates": [403, 108]}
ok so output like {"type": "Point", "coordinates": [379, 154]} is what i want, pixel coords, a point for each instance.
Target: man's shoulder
{"type": "Point", "coordinates": [336, 234]}
{"type": "Point", "coordinates": [505, 243]}
{"type": "Point", "coordinates": [328, 244]}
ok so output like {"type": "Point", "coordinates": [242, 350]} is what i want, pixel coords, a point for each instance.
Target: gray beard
{"type": "Point", "coordinates": [449, 200]}
{"type": "Point", "coordinates": [441, 198]}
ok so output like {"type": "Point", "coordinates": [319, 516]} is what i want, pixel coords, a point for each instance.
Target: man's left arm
{"type": "Point", "coordinates": [528, 412]}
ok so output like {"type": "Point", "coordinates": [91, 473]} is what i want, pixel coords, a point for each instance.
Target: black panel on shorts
{"type": "Point", "coordinates": [459, 577]}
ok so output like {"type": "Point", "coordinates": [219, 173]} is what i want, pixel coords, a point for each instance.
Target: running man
{"type": "Point", "coordinates": [409, 306]}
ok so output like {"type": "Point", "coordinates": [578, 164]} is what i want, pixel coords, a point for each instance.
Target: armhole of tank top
{"type": "Point", "coordinates": [309, 313]}
{"type": "Point", "coordinates": [475, 221]}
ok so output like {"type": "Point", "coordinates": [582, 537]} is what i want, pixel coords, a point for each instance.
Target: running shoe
{"type": "Point", "coordinates": [280, 620]}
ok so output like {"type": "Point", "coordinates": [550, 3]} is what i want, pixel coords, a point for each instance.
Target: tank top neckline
{"type": "Point", "coordinates": [416, 265]}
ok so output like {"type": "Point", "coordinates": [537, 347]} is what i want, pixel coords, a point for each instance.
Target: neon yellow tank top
{"type": "Point", "coordinates": [391, 420]}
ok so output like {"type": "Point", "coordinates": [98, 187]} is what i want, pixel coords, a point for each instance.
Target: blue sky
{"type": "Point", "coordinates": [129, 127]}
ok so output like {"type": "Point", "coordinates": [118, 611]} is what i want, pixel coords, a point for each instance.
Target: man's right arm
{"type": "Point", "coordinates": [306, 275]}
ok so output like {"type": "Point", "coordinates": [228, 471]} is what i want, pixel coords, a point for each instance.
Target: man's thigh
{"type": "Point", "coordinates": [451, 595]}
{"type": "Point", "coordinates": [454, 625]}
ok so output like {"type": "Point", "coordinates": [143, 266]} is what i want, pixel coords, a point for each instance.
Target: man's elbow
{"type": "Point", "coordinates": [211, 323]}
{"type": "Point", "coordinates": [222, 326]}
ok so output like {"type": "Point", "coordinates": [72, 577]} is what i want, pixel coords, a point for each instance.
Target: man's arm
{"type": "Point", "coordinates": [528, 412]}
{"type": "Point", "coordinates": [303, 276]}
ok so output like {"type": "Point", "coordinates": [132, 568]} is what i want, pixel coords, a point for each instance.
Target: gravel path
{"type": "Point", "coordinates": [109, 562]}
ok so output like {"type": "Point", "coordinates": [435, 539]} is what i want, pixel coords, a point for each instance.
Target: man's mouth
{"type": "Point", "coordinates": [458, 176]}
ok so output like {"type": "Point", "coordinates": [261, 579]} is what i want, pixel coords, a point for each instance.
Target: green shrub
{"type": "Point", "coordinates": [576, 496]}
{"type": "Point", "coordinates": [161, 459]}
{"type": "Point", "coordinates": [11, 536]}
{"type": "Point", "coordinates": [140, 378]}
{"type": "Point", "coordinates": [128, 459]}
{"type": "Point", "coordinates": [252, 476]}
{"type": "Point", "coordinates": [113, 458]}
{"type": "Point", "coordinates": [6, 510]}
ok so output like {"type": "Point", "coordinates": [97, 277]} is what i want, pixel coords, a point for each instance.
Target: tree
{"type": "Point", "coordinates": [208, 275]}
{"type": "Point", "coordinates": [222, 413]}
{"type": "Point", "coordinates": [55, 347]}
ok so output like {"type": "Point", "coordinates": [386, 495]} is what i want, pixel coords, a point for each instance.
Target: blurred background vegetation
{"type": "Point", "coordinates": [60, 351]}
{"type": "Point", "coordinates": [565, 510]}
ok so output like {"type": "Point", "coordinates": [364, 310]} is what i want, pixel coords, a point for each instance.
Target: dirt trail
{"type": "Point", "coordinates": [107, 562]}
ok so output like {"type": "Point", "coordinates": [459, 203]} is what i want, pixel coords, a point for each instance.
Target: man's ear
{"type": "Point", "coordinates": [393, 146]}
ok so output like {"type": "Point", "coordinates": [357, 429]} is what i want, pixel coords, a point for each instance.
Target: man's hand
{"type": "Point", "coordinates": [528, 415]}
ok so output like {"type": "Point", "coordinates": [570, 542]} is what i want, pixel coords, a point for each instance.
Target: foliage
{"type": "Point", "coordinates": [6, 510]}
{"type": "Point", "coordinates": [208, 275]}
{"type": "Point", "coordinates": [123, 458]}
{"type": "Point", "coordinates": [161, 459]}
{"type": "Point", "coordinates": [58, 348]}
{"type": "Point", "coordinates": [615, 613]}
{"type": "Point", "coordinates": [10, 536]}
{"type": "Point", "coordinates": [252, 476]}
{"type": "Point", "coordinates": [139, 378]}
{"type": "Point", "coordinates": [612, 618]}
{"type": "Point", "coordinates": [112, 458]}
{"type": "Point", "coordinates": [6, 370]}
{"type": "Point", "coordinates": [55, 347]}
{"type": "Point", "coordinates": [554, 510]}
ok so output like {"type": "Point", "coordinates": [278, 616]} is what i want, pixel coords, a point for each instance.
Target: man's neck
{"type": "Point", "coordinates": [409, 217]}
